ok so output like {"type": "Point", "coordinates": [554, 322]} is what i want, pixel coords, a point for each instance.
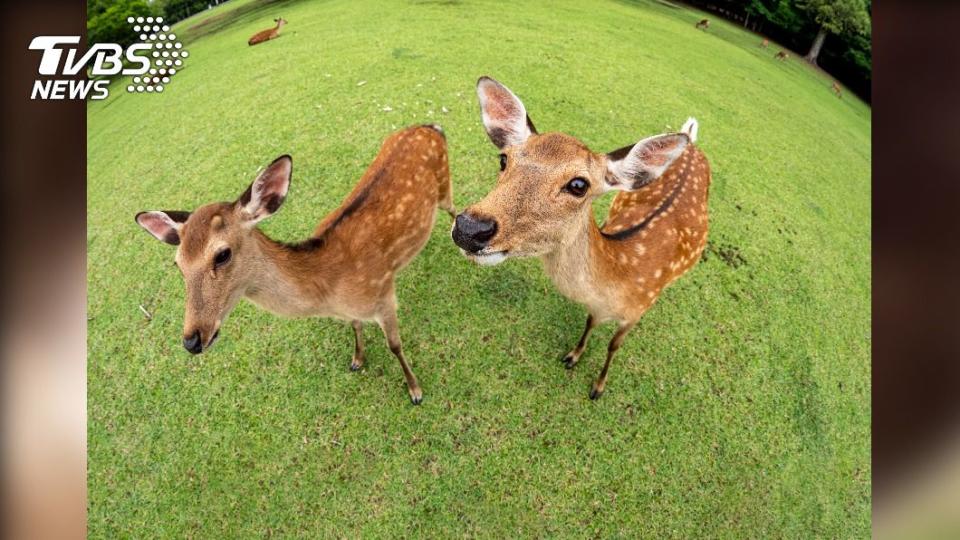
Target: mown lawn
{"type": "Point", "coordinates": [739, 407]}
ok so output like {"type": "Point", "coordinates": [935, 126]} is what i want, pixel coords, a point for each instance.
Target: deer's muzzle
{"type": "Point", "coordinates": [472, 233]}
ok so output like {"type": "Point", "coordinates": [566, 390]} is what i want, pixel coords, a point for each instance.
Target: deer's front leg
{"type": "Point", "coordinates": [357, 362]}
{"type": "Point", "coordinates": [573, 356]}
{"type": "Point", "coordinates": [615, 343]}
{"type": "Point", "coordinates": [389, 325]}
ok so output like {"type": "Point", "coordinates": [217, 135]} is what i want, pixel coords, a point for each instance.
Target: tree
{"type": "Point", "coordinates": [177, 10]}
{"type": "Point", "coordinates": [837, 17]}
{"type": "Point", "coordinates": [107, 20]}
{"type": "Point", "coordinates": [780, 13]}
{"type": "Point", "coordinates": [794, 25]}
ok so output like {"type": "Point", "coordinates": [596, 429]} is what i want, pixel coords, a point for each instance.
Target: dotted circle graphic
{"type": "Point", "coordinates": [166, 53]}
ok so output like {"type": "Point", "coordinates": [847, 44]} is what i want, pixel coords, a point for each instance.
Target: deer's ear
{"type": "Point", "coordinates": [633, 167]}
{"type": "Point", "coordinates": [163, 224]}
{"type": "Point", "coordinates": [504, 116]}
{"type": "Point", "coordinates": [265, 195]}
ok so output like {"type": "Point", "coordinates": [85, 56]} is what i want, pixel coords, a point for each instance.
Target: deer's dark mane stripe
{"type": "Point", "coordinates": [320, 240]}
{"type": "Point", "coordinates": [661, 208]}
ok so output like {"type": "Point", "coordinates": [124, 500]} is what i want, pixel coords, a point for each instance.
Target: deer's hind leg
{"type": "Point", "coordinates": [445, 197]}
{"type": "Point", "coordinates": [358, 355]}
{"type": "Point", "coordinates": [447, 205]}
{"type": "Point", "coordinates": [391, 329]}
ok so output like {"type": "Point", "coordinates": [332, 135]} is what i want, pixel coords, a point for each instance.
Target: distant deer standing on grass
{"type": "Point", "coordinates": [836, 88]}
{"type": "Point", "coordinates": [783, 56]}
{"type": "Point", "coordinates": [541, 207]}
{"type": "Point", "coordinates": [765, 43]}
{"type": "Point", "coordinates": [704, 23]}
{"type": "Point", "coordinates": [268, 34]}
{"type": "Point", "coordinates": [345, 270]}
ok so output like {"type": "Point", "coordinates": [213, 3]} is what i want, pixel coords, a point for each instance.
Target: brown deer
{"type": "Point", "coordinates": [344, 270]}
{"type": "Point", "coordinates": [836, 89]}
{"type": "Point", "coordinates": [268, 34]}
{"type": "Point", "coordinates": [704, 23]}
{"type": "Point", "coordinates": [783, 56]}
{"type": "Point", "coordinates": [541, 207]}
{"type": "Point", "coordinates": [765, 43]}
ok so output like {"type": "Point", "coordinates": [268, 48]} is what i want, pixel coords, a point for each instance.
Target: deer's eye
{"type": "Point", "coordinates": [577, 187]}
{"type": "Point", "coordinates": [221, 258]}
{"type": "Point", "coordinates": [503, 162]}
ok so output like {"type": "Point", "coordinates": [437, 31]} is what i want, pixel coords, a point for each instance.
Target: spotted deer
{"type": "Point", "coordinates": [345, 270]}
{"type": "Point", "coordinates": [836, 89]}
{"type": "Point", "coordinates": [268, 34]}
{"type": "Point", "coordinates": [703, 24]}
{"type": "Point", "coordinates": [541, 207]}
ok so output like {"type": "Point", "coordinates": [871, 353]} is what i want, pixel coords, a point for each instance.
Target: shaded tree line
{"type": "Point", "coordinates": [832, 34]}
{"type": "Point", "coordinates": [177, 10]}
{"type": "Point", "coordinates": [107, 19]}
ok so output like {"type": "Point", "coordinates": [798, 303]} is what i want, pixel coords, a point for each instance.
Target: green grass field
{"type": "Point", "coordinates": [739, 407]}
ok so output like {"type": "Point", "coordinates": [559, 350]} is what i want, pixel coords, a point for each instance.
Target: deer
{"type": "Point", "coordinates": [345, 270]}
{"type": "Point", "coordinates": [783, 56]}
{"type": "Point", "coordinates": [268, 34]}
{"type": "Point", "coordinates": [765, 43]}
{"type": "Point", "coordinates": [703, 24]}
{"type": "Point", "coordinates": [540, 207]}
{"type": "Point", "coordinates": [836, 89]}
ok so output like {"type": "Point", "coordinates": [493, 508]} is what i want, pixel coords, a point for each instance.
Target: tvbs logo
{"type": "Point", "coordinates": [153, 60]}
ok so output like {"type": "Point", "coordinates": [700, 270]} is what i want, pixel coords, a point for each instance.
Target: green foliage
{"type": "Point", "coordinates": [846, 54]}
{"type": "Point", "coordinates": [738, 408]}
{"type": "Point", "coordinates": [859, 52]}
{"type": "Point", "coordinates": [840, 16]}
{"type": "Point", "coordinates": [107, 20]}
{"type": "Point", "coordinates": [781, 13]}
{"type": "Point", "coordinates": [176, 10]}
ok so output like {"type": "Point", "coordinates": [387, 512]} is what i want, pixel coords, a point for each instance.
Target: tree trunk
{"type": "Point", "coordinates": [817, 45]}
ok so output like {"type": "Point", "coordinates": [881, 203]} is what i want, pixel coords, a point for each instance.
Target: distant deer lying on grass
{"type": "Point", "coordinates": [783, 56]}
{"type": "Point", "coordinates": [345, 270]}
{"type": "Point", "coordinates": [704, 23]}
{"type": "Point", "coordinates": [541, 207]}
{"type": "Point", "coordinates": [268, 34]}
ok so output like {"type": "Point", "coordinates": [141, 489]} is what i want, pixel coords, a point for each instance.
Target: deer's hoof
{"type": "Point", "coordinates": [416, 396]}
{"type": "Point", "coordinates": [356, 365]}
{"type": "Point", "coordinates": [595, 394]}
{"type": "Point", "coordinates": [569, 361]}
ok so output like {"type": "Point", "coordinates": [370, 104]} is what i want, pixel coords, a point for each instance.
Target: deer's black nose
{"type": "Point", "coordinates": [192, 343]}
{"type": "Point", "coordinates": [472, 233]}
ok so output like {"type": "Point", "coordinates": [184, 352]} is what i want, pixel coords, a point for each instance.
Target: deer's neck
{"type": "Point", "coordinates": [573, 265]}
{"type": "Point", "coordinates": [287, 280]}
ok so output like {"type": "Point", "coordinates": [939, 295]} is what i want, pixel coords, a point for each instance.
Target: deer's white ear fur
{"type": "Point", "coordinates": [164, 225]}
{"type": "Point", "coordinates": [633, 167]}
{"type": "Point", "coordinates": [690, 128]}
{"type": "Point", "coordinates": [504, 116]}
{"type": "Point", "coordinates": [265, 195]}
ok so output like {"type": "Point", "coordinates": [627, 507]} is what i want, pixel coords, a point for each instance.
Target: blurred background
{"type": "Point", "coordinates": [916, 348]}
{"type": "Point", "coordinates": [43, 376]}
